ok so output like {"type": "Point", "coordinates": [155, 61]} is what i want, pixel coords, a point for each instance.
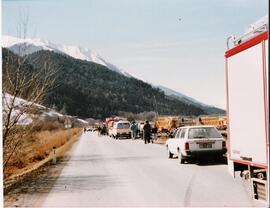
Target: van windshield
{"type": "Point", "coordinates": [123, 125]}
{"type": "Point", "coordinates": [203, 132]}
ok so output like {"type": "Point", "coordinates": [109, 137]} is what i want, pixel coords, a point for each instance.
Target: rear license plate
{"type": "Point", "coordinates": [205, 145]}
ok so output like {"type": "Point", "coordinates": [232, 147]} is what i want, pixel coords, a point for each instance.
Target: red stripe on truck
{"type": "Point", "coordinates": [247, 44]}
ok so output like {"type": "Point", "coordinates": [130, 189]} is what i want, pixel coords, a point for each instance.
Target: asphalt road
{"type": "Point", "coordinates": [107, 172]}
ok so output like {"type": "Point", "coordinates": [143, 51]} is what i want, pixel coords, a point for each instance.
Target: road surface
{"type": "Point", "coordinates": [107, 172]}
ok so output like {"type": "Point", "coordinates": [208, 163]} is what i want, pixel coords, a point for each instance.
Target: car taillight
{"type": "Point", "coordinates": [186, 146]}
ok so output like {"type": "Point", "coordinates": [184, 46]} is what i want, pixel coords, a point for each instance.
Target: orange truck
{"type": "Point", "coordinates": [166, 124]}
{"type": "Point", "coordinates": [220, 122]}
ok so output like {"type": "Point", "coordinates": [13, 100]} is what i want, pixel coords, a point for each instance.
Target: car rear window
{"type": "Point", "coordinates": [123, 125]}
{"type": "Point", "coordinates": [207, 132]}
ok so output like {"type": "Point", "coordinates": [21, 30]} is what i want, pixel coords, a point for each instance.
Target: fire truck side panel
{"type": "Point", "coordinates": [247, 106]}
{"type": "Point", "coordinates": [267, 96]}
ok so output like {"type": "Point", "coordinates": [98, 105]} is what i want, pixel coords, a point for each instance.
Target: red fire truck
{"type": "Point", "coordinates": [246, 65]}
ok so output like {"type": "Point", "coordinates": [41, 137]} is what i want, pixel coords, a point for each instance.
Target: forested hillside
{"type": "Point", "coordinates": [87, 89]}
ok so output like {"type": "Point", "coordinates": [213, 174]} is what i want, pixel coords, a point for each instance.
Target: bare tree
{"type": "Point", "coordinates": [21, 80]}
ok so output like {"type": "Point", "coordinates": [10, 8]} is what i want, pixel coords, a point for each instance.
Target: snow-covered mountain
{"type": "Point", "coordinates": [37, 44]}
{"type": "Point", "coordinates": [30, 45]}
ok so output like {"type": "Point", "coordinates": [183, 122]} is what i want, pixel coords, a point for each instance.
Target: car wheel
{"type": "Point", "coordinates": [180, 157]}
{"type": "Point", "coordinates": [169, 154]}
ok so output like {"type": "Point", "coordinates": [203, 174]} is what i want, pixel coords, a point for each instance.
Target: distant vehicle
{"type": "Point", "coordinates": [166, 124]}
{"type": "Point", "coordinates": [109, 123]}
{"type": "Point", "coordinates": [121, 129]}
{"type": "Point", "coordinates": [220, 122]}
{"type": "Point", "coordinates": [187, 121]}
{"type": "Point", "coordinates": [196, 141]}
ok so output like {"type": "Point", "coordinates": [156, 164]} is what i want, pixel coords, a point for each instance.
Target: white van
{"type": "Point", "coordinates": [121, 129]}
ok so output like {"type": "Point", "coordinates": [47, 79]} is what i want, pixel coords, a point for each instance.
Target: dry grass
{"type": "Point", "coordinates": [48, 140]}
{"type": "Point", "coordinates": [37, 146]}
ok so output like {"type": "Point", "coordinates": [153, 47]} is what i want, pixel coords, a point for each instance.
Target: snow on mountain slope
{"type": "Point", "coordinates": [9, 41]}
{"type": "Point", "coordinates": [82, 53]}
{"type": "Point", "coordinates": [36, 44]}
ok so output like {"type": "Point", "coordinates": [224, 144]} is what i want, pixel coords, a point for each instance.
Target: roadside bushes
{"type": "Point", "coordinates": [46, 125]}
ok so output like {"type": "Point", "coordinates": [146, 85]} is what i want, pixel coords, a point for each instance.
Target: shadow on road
{"type": "Point", "coordinates": [211, 162]}
{"type": "Point", "coordinates": [206, 161]}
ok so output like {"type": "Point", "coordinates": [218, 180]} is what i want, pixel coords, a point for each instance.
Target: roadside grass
{"type": "Point", "coordinates": [48, 140]}
{"type": "Point", "coordinates": [37, 144]}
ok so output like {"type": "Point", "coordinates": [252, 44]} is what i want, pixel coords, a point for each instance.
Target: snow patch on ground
{"type": "Point", "coordinates": [17, 114]}
{"type": "Point", "coordinates": [26, 118]}
{"type": "Point", "coordinates": [19, 105]}
{"type": "Point", "coordinates": [83, 121]}
{"type": "Point", "coordinates": [18, 102]}
{"type": "Point", "coordinates": [53, 113]}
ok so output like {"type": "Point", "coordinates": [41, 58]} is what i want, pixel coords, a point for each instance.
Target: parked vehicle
{"type": "Point", "coordinates": [166, 124]}
{"type": "Point", "coordinates": [195, 142]}
{"type": "Point", "coordinates": [246, 62]}
{"type": "Point", "coordinates": [109, 124]}
{"type": "Point", "coordinates": [187, 121]}
{"type": "Point", "coordinates": [121, 129]}
{"type": "Point", "coordinates": [220, 122]}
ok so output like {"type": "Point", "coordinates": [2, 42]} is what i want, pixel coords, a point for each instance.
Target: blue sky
{"type": "Point", "coordinates": [145, 37]}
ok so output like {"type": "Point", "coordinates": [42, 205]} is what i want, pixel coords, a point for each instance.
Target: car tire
{"type": "Point", "coordinates": [169, 154]}
{"type": "Point", "coordinates": [180, 157]}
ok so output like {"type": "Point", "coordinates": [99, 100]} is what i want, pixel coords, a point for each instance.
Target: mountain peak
{"type": "Point", "coordinates": [36, 44]}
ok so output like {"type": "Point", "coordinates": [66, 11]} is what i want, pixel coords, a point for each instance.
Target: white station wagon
{"type": "Point", "coordinates": [196, 141]}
